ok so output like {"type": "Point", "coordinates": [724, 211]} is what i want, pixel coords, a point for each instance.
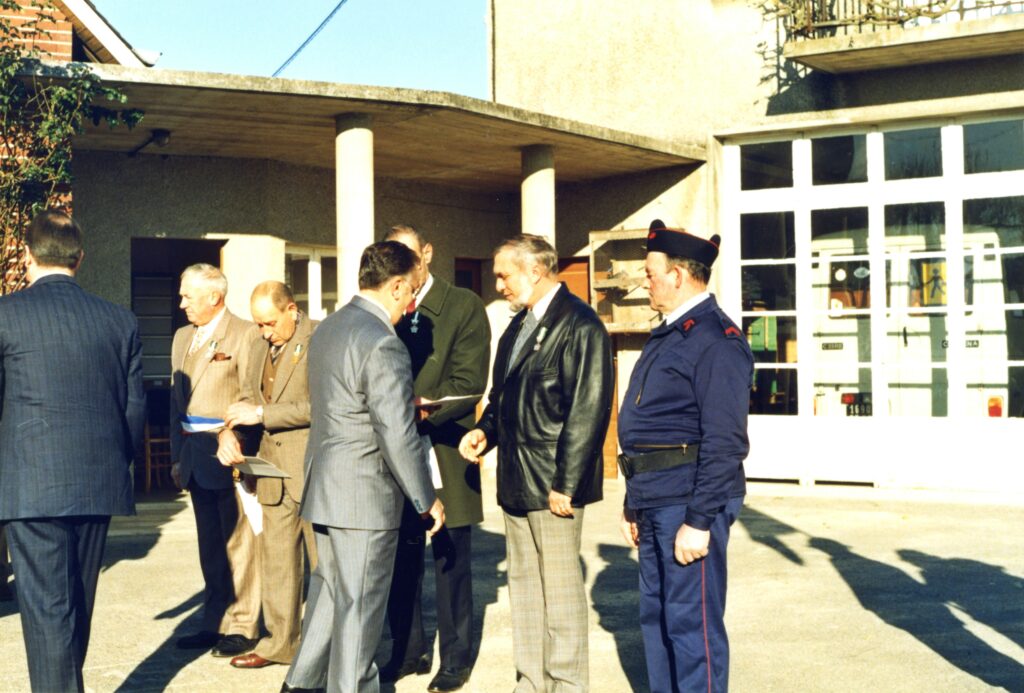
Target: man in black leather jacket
{"type": "Point", "coordinates": [547, 414]}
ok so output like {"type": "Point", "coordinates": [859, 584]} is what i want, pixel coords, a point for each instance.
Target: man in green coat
{"type": "Point", "coordinates": [448, 337]}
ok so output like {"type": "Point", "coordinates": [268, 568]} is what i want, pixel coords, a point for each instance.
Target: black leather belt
{"type": "Point", "coordinates": [657, 460]}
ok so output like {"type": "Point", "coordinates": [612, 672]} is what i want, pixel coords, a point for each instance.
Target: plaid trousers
{"type": "Point", "coordinates": [548, 601]}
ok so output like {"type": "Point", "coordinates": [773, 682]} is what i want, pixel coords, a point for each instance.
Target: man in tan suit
{"type": "Point", "coordinates": [273, 415]}
{"type": "Point", "coordinates": [208, 362]}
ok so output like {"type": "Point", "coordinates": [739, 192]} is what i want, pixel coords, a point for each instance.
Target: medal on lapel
{"type": "Point", "coordinates": [414, 325]}
{"type": "Point", "coordinates": [297, 354]}
{"type": "Point", "coordinates": [541, 334]}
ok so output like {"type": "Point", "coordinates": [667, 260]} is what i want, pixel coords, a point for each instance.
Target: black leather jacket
{"type": "Point", "coordinates": [549, 415]}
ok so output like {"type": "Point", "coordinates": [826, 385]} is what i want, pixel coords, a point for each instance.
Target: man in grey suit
{"type": "Point", "coordinates": [364, 456]}
{"type": "Point", "coordinates": [72, 410]}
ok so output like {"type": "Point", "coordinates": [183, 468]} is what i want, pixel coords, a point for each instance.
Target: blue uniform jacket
{"type": "Point", "coordinates": [691, 385]}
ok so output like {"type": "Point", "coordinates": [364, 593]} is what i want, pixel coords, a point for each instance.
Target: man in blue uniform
{"type": "Point", "coordinates": [683, 434]}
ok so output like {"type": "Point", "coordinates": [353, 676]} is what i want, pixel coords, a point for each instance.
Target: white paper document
{"type": "Point", "coordinates": [426, 402]}
{"type": "Point", "coordinates": [252, 509]}
{"type": "Point", "coordinates": [257, 466]}
{"type": "Point", "coordinates": [431, 457]}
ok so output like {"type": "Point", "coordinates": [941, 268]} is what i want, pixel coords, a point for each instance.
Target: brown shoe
{"type": "Point", "coordinates": [250, 661]}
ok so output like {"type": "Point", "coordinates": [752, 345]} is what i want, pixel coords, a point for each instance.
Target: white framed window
{"type": "Point", "coordinates": [894, 258]}
{"type": "Point", "coordinates": [312, 273]}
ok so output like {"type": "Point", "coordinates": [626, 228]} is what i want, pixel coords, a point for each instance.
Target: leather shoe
{"type": "Point", "coordinates": [448, 679]}
{"type": "Point", "coordinates": [250, 661]}
{"type": "Point", "coordinates": [203, 640]}
{"type": "Point", "coordinates": [420, 665]}
{"type": "Point", "coordinates": [285, 688]}
{"type": "Point", "coordinates": [234, 644]}
{"type": "Point", "coordinates": [6, 594]}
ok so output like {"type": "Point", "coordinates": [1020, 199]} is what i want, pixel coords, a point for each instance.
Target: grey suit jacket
{"type": "Point", "coordinates": [72, 408]}
{"type": "Point", "coordinates": [207, 389]}
{"type": "Point", "coordinates": [282, 438]}
{"type": "Point", "coordinates": [364, 452]}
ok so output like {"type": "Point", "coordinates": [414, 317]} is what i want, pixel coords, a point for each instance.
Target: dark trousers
{"type": "Point", "coordinates": [682, 608]}
{"type": "Point", "coordinates": [57, 563]}
{"type": "Point", "coordinates": [217, 516]}
{"type": "Point", "coordinates": [454, 594]}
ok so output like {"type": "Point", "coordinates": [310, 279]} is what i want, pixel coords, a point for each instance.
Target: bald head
{"type": "Point", "coordinates": [274, 311]}
{"type": "Point", "coordinates": [279, 293]}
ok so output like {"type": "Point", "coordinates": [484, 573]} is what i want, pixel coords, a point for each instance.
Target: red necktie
{"type": "Point", "coordinates": [411, 308]}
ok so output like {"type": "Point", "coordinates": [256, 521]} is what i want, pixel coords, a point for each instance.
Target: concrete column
{"type": "Point", "coordinates": [538, 191]}
{"type": "Point", "coordinates": [353, 156]}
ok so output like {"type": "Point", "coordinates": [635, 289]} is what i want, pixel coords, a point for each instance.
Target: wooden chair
{"type": "Point", "coordinates": [158, 459]}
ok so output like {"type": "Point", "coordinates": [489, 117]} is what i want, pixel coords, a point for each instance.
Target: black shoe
{"type": "Point", "coordinates": [6, 594]}
{"type": "Point", "coordinates": [449, 679]}
{"type": "Point", "coordinates": [203, 640]}
{"type": "Point", "coordinates": [285, 688]}
{"type": "Point", "coordinates": [233, 645]}
{"type": "Point", "coordinates": [420, 665]}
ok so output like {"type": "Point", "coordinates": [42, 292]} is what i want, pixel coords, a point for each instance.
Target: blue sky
{"type": "Point", "coordinates": [421, 44]}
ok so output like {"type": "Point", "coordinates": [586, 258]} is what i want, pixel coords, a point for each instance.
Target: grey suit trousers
{"type": "Point", "coordinates": [345, 611]}
{"type": "Point", "coordinates": [548, 602]}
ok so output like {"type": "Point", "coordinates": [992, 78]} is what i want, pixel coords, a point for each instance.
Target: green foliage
{"type": "Point", "coordinates": [43, 105]}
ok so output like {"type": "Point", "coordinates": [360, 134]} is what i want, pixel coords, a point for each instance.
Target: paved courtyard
{"type": "Point", "coordinates": [830, 590]}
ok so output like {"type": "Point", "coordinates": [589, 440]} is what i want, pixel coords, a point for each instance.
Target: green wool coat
{"type": "Point", "coordinates": [449, 341]}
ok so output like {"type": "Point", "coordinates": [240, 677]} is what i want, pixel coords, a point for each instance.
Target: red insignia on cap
{"type": "Point", "coordinates": [651, 235]}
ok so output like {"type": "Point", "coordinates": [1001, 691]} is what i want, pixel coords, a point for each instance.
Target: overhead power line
{"type": "Point", "coordinates": [310, 38]}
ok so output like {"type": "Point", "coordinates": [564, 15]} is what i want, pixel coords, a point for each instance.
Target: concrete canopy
{"type": "Point", "coordinates": [433, 137]}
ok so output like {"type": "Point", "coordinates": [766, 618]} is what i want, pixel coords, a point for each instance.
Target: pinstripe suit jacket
{"type": "Point", "coordinates": [72, 408]}
{"type": "Point", "coordinates": [364, 452]}
{"type": "Point", "coordinates": [207, 389]}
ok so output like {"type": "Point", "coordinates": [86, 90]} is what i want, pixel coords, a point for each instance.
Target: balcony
{"type": "Point", "coordinates": [858, 35]}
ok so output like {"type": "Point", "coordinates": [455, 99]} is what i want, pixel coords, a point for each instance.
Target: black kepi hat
{"type": "Point", "coordinates": [679, 243]}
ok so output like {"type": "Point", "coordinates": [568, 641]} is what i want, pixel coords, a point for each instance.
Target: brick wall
{"type": "Point", "coordinates": [54, 37]}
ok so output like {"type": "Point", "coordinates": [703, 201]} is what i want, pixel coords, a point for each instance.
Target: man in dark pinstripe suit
{"type": "Point", "coordinates": [72, 410]}
{"type": "Point", "coordinates": [363, 456]}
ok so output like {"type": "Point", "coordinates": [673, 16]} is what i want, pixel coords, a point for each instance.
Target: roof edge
{"type": "Point", "coordinates": [86, 18]}
{"type": "Point", "coordinates": [692, 150]}
{"type": "Point", "coordinates": [996, 105]}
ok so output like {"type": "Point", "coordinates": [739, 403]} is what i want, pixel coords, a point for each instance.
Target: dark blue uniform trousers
{"type": "Point", "coordinates": [682, 608]}
{"type": "Point", "coordinates": [56, 565]}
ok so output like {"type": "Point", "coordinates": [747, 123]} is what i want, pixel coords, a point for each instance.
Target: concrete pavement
{"type": "Point", "coordinates": [830, 590]}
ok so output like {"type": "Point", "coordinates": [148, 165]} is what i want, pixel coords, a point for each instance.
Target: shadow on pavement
{"type": "Point", "coordinates": [765, 529]}
{"type": "Point", "coordinates": [156, 671]}
{"type": "Point", "coordinates": [921, 610]}
{"type": "Point", "coordinates": [616, 599]}
{"type": "Point", "coordinates": [987, 592]}
{"type": "Point", "coordinates": [133, 537]}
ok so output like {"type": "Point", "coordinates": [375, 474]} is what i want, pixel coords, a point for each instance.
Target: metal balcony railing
{"type": "Point", "coordinates": [812, 19]}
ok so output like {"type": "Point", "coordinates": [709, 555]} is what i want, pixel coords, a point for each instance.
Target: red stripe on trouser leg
{"type": "Point", "coordinates": [704, 618]}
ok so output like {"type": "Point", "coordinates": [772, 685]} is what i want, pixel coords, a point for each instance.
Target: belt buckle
{"type": "Point", "coordinates": [625, 467]}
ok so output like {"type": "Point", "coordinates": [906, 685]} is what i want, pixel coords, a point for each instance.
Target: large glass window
{"type": "Point", "coordinates": [767, 252]}
{"type": "Point", "coordinates": [312, 273]}
{"type": "Point", "coordinates": [913, 154]}
{"type": "Point", "coordinates": [839, 160]}
{"type": "Point", "coordinates": [994, 292]}
{"type": "Point", "coordinates": [766, 166]}
{"type": "Point", "coordinates": [907, 296]}
{"type": "Point", "coordinates": [841, 270]}
{"type": "Point", "coordinates": [992, 147]}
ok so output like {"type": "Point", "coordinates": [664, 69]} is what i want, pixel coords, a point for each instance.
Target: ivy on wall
{"type": "Point", "coordinates": [43, 105]}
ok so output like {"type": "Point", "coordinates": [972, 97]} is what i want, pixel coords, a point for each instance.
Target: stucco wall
{"type": "Point", "coordinates": [150, 196]}
{"type": "Point", "coordinates": [690, 68]}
